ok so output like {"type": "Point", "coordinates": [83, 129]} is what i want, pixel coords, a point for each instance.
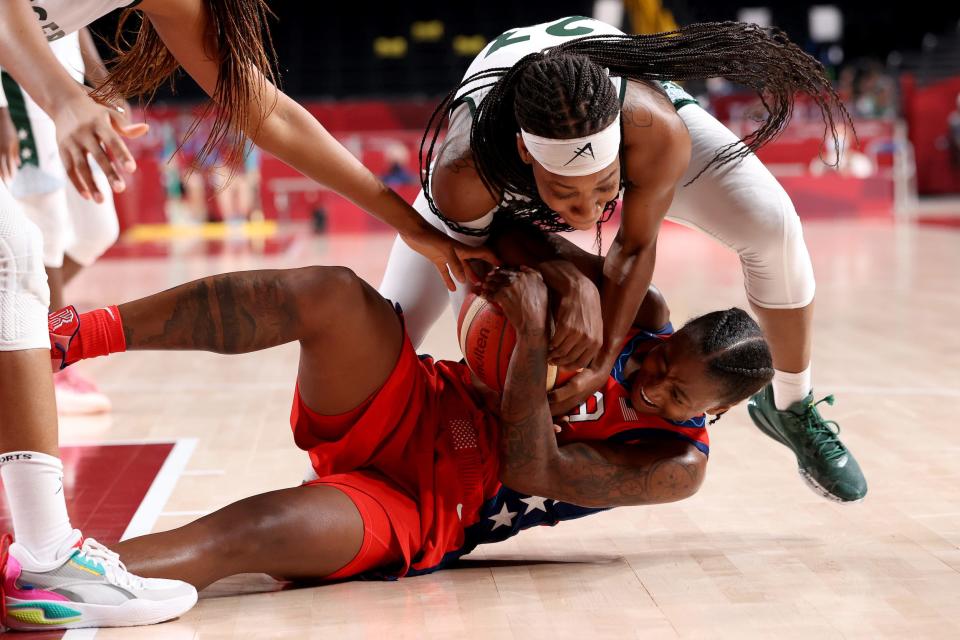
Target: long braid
{"type": "Point", "coordinates": [238, 39]}
{"type": "Point", "coordinates": [763, 59]}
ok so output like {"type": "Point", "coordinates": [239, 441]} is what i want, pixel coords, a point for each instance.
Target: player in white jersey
{"type": "Point", "coordinates": [75, 231]}
{"type": "Point", "coordinates": [554, 121]}
{"type": "Point", "coordinates": [220, 44]}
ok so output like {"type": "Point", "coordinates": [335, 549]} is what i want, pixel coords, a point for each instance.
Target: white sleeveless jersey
{"type": "Point", "coordinates": [507, 49]}
{"type": "Point", "coordinates": [61, 17]}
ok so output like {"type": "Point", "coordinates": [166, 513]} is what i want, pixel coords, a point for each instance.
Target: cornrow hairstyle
{"type": "Point", "coordinates": [735, 352]}
{"type": "Point", "coordinates": [238, 38]}
{"type": "Point", "coordinates": [565, 92]}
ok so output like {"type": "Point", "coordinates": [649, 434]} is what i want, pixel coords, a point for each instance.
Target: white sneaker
{"type": "Point", "coordinates": [89, 587]}
{"type": "Point", "coordinates": [77, 396]}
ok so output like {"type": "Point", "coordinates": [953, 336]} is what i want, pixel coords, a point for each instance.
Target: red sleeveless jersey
{"type": "Point", "coordinates": [607, 416]}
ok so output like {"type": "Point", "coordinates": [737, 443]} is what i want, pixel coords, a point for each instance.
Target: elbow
{"type": "Point", "coordinates": [690, 470]}
{"type": "Point", "coordinates": [531, 476]}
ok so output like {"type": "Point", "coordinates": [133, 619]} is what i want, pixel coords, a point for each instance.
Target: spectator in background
{"type": "Point", "coordinates": [846, 84]}
{"type": "Point", "coordinates": [398, 160]}
{"type": "Point", "coordinates": [953, 135]}
{"type": "Point", "coordinates": [875, 93]}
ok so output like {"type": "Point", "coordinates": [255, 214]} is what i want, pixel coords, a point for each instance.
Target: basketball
{"type": "Point", "coordinates": [487, 339]}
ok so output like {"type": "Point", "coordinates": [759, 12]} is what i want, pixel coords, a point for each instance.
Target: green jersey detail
{"type": "Point", "coordinates": [560, 30]}
{"type": "Point", "coordinates": [503, 40]}
{"type": "Point", "coordinates": [17, 104]}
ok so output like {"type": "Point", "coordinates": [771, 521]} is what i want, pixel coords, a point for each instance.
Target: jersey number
{"type": "Point", "coordinates": [559, 29]}
{"type": "Point", "coordinates": [590, 410]}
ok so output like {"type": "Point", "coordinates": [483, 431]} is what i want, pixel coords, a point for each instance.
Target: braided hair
{"type": "Point", "coordinates": [734, 350]}
{"type": "Point", "coordinates": [564, 92]}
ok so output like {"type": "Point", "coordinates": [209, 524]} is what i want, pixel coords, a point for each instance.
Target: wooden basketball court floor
{"type": "Point", "coordinates": [755, 554]}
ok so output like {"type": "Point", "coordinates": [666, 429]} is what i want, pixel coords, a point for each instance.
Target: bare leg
{"type": "Point", "coordinates": [304, 532]}
{"type": "Point", "coordinates": [70, 269]}
{"type": "Point", "coordinates": [789, 332]}
{"type": "Point", "coordinates": [350, 340]}
{"type": "Point", "coordinates": [56, 282]}
{"type": "Point", "coordinates": [350, 336]}
{"type": "Point", "coordinates": [28, 420]}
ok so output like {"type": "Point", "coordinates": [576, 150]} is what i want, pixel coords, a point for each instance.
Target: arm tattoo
{"type": "Point", "coordinates": [599, 474]}
{"type": "Point", "coordinates": [636, 114]}
{"type": "Point", "coordinates": [527, 444]}
{"type": "Point", "coordinates": [463, 163]}
{"type": "Point", "coordinates": [231, 313]}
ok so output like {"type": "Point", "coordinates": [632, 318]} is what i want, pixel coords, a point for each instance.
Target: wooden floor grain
{"type": "Point", "coordinates": [755, 554]}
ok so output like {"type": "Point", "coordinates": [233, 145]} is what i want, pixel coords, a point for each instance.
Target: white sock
{"type": "Point", "coordinates": [34, 489]}
{"type": "Point", "coordinates": [791, 387]}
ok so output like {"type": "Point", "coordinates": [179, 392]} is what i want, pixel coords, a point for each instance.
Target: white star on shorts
{"type": "Point", "coordinates": [534, 502]}
{"type": "Point", "coordinates": [504, 518]}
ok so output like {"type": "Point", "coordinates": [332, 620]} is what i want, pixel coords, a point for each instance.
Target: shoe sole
{"type": "Point", "coordinates": [820, 490]}
{"type": "Point", "coordinates": [133, 613]}
{"type": "Point", "coordinates": [763, 423]}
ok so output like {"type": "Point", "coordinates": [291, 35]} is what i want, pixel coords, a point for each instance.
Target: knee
{"type": "Point", "coordinates": [327, 292]}
{"type": "Point", "coordinates": [775, 259]}
{"type": "Point", "coordinates": [769, 225]}
{"type": "Point", "coordinates": [21, 253]}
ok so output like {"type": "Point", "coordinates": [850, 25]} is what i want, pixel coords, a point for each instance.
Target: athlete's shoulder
{"type": "Point", "coordinates": [656, 140]}
{"type": "Point", "coordinates": [456, 186]}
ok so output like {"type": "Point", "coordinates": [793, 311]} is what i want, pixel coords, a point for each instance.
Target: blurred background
{"type": "Point", "coordinates": [373, 73]}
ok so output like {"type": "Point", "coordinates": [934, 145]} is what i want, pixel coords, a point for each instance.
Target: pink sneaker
{"type": "Point", "coordinates": [77, 396]}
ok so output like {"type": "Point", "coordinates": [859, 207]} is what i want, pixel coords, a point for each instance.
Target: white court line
{"type": "Point", "coordinates": [204, 472]}
{"type": "Point", "coordinates": [944, 392]}
{"type": "Point", "coordinates": [155, 499]}
{"type": "Point", "coordinates": [159, 492]}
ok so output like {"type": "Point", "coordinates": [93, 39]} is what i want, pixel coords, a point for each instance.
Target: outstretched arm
{"type": "Point", "coordinates": [279, 125]}
{"type": "Point", "coordinates": [229, 313]}
{"type": "Point", "coordinates": [83, 126]}
{"type": "Point", "coordinates": [591, 475]}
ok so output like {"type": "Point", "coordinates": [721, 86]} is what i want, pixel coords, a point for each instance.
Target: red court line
{"type": "Point", "coordinates": [104, 487]}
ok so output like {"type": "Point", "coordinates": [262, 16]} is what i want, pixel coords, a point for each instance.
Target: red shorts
{"type": "Point", "coordinates": [418, 458]}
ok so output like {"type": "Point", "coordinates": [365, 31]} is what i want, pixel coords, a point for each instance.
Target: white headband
{"type": "Point", "coordinates": [576, 156]}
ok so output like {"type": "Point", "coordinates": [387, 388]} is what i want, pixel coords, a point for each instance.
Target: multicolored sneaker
{"type": "Point", "coordinates": [90, 587]}
{"type": "Point", "coordinates": [78, 396]}
{"type": "Point", "coordinates": [824, 462]}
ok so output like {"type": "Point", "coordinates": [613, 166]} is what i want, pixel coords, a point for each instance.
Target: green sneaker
{"type": "Point", "coordinates": [824, 462]}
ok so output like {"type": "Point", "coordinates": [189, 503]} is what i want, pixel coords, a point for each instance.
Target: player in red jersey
{"type": "Point", "coordinates": [417, 464]}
